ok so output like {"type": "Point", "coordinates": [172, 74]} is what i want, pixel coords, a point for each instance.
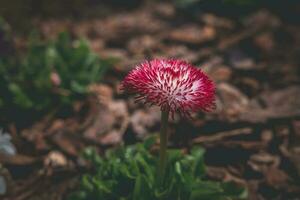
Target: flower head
{"type": "Point", "coordinates": [172, 84]}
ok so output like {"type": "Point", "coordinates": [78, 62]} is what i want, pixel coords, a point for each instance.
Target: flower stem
{"type": "Point", "coordinates": [163, 144]}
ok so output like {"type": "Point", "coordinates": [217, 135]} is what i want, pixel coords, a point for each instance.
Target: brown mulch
{"type": "Point", "coordinates": [252, 138]}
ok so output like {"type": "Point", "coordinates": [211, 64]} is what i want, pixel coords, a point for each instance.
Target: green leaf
{"type": "Point", "coordinates": [199, 167]}
{"type": "Point", "coordinates": [174, 155]}
{"type": "Point", "coordinates": [78, 88]}
{"type": "Point", "coordinates": [141, 189]}
{"type": "Point", "coordinates": [206, 190]}
{"type": "Point", "coordinates": [20, 97]}
{"type": "Point", "coordinates": [87, 184]}
{"type": "Point", "coordinates": [149, 142]}
{"type": "Point", "coordinates": [129, 173]}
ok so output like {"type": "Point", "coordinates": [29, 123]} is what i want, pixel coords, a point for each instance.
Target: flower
{"type": "Point", "coordinates": [174, 85]}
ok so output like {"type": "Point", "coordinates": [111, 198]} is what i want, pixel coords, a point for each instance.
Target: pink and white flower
{"type": "Point", "coordinates": [174, 85]}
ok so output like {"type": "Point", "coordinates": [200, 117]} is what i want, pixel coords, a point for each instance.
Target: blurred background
{"type": "Point", "coordinates": [61, 64]}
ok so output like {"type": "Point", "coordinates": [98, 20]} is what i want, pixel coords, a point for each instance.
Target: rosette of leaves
{"type": "Point", "coordinates": [129, 173]}
{"type": "Point", "coordinates": [51, 74]}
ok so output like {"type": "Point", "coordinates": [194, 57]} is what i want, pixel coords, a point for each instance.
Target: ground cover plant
{"type": "Point", "coordinates": [51, 75]}
{"type": "Point", "coordinates": [130, 173]}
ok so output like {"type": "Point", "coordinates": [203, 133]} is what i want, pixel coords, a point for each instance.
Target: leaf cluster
{"type": "Point", "coordinates": [50, 74]}
{"type": "Point", "coordinates": [129, 173]}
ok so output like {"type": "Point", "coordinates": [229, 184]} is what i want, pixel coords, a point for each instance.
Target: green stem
{"type": "Point", "coordinates": [163, 144]}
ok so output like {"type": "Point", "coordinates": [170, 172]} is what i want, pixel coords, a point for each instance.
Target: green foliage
{"type": "Point", "coordinates": [50, 74]}
{"type": "Point", "coordinates": [129, 173]}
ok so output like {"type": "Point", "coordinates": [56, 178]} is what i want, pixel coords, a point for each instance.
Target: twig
{"type": "Point", "coordinates": [222, 135]}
